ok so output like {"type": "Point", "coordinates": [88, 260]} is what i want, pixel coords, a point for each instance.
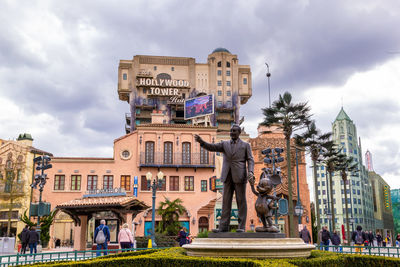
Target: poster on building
{"type": "Point", "coordinates": [199, 106]}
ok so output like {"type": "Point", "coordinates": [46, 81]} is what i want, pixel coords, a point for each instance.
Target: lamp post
{"type": "Point", "coordinates": [298, 207]}
{"type": "Point", "coordinates": [154, 184]}
{"type": "Point", "coordinates": [269, 88]}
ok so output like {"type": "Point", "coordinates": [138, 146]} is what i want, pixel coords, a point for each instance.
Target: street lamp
{"type": "Point", "coordinates": [154, 184]}
{"type": "Point", "coordinates": [298, 210]}
{"type": "Point", "coordinates": [269, 88]}
{"type": "Point", "coordinates": [298, 205]}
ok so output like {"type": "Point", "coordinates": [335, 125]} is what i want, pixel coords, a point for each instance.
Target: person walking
{"type": "Point", "coordinates": [183, 236]}
{"type": "Point", "coordinates": [325, 236]}
{"type": "Point", "coordinates": [24, 239]}
{"type": "Point", "coordinates": [33, 239]}
{"type": "Point", "coordinates": [379, 239]}
{"type": "Point", "coordinates": [388, 241]}
{"type": "Point", "coordinates": [305, 235]}
{"type": "Point", "coordinates": [335, 241]}
{"type": "Point", "coordinates": [371, 239]}
{"type": "Point", "coordinates": [398, 240]}
{"type": "Point", "coordinates": [102, 237]}
{"type": "Point", "coordinates": [359, 238]}
{"type": "Point", "coordinates": [125, 237]}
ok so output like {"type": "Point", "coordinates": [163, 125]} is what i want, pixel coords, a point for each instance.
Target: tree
{"type": "Point", "coordinates": [331, 160]}
{"type": "Point", "coordinates": [170, 212]}
{"type": "Point", "coordinates": [13, 168]}
{"type": "Point", "coordinates": [313, 141]}
{"type": "Point", "coordinates": [45, 223]}
{"type": "Point", "coordinates": [289, 117]}
{"type": "Point", "coordinates": [345, 164]}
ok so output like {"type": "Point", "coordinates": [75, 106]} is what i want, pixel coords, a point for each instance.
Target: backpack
{"type": "Point", "coordinates": [325, 236]}
{"type": "Point", "coordinates": [101, 237]}
{"type": "Point", "coordinates": [359, 238]}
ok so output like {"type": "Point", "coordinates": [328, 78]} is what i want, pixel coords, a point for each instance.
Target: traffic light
{"type": "Point", "coordinates": [42, 163]}
{"type": "Point", "coordinates": [266, 151]}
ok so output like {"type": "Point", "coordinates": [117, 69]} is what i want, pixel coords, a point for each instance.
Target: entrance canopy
{"type": "Point", "coordinates": [119, 205]}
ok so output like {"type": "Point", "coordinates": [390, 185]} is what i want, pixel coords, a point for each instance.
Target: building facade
{"type": "Point", "coordinates": [395, 196]}
{"type": "Point", "coordinates": [359, 189]}
{"type": "Point", "coordinates": [16, 175]}
{"type": "Point", "coordinates": [150, 83]}
{"type": "Point", "coordinates": [382, 204]}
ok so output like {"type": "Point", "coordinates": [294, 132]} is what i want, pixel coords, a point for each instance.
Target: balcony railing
{"type": "Point", "coordinates": [190, 160]}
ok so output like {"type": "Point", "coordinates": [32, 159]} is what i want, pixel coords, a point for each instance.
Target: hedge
{"type": "Point", "coordinates": [174, 257]}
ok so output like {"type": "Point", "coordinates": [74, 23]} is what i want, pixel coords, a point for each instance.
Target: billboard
{"type": "Point", "coordinates": [199, 106]}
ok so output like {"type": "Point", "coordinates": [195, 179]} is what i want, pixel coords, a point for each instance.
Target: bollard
{"type": "Point", "coordinates": [150, 244]}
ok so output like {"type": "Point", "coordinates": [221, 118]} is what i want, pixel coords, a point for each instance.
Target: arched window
{"type": "Point", "coordinates": [149, 152]}
{"type": "Point", "coordinates": [168, 153]}
{"type": "Point", "coordinates": [186, 149]}
{"type": "Point", "coordinates": [203, 156]}
{"type": "Point", "coordinates": [228, 64]}
{"type": "Point", "coordinates": [219, 64]}
{"type": "Point", "coordinates": [125, 76]}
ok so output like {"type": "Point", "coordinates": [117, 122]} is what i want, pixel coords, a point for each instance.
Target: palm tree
{"type": "Point", "coordinates": [331, 160]}
{"type": "Point", "coordinates": [170, 212]}
{"type": "Point", "coordinates": [289, 117]}
{"type": "Point", "coordinates": [313, 140]}
{"type": "Point", "coordinates": [345, 164]}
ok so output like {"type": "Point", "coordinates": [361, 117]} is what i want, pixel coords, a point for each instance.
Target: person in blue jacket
{"type": "Point", "coordinates": [102, 237]}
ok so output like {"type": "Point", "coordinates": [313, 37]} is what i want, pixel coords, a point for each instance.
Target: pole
{"type": "Point", "coordinates": [298, 188]}
{"type": "Point", "coordinates": [327, 196]}
{"type": "Point", "coordinates": [153, 215]}
{"type": "Point", "coordinates": [269, 88]}
{"type": "Point", "coordinates": [38, 230]}
{"type": "Point", "coordinates": [273, 172]}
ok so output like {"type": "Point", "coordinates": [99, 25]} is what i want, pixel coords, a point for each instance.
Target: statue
{"type": "Point", "coordinates": [234, 175]}
{"type": "Point", "coordinates": [265, 201]}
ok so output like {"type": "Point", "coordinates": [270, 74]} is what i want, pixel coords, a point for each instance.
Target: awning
{"type": "Point", "coordinates": [119, 205]}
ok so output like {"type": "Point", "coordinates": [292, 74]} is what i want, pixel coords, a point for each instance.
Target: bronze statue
{"type": "Point", "coordinates": [265, 201]}
{"type": "Point", "coordinates": [234, 175]}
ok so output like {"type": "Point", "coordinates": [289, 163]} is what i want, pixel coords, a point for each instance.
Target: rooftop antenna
{"type": "Point", "coordinates": [269, 87]}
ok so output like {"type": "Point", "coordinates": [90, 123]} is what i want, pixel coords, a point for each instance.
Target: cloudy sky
{"type": "Point", "coordinates": [59, 62]}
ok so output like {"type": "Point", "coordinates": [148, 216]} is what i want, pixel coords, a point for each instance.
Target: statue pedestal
{"type": "Point", "coordinates": [246, 235]}
{"type": "Point", "coordinates": [254, 247]}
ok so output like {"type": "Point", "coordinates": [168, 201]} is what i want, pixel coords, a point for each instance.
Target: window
{"type": "Point", "coordinates": [219, 105]}
{"type": "Point", "coordinates": [355, 211]}
{"type": "Point", "coordinates": [124, 76]}
{"type": "Point", "coordinates": [219, 83]}
{"type": "Point", "coordinates": [344, 150]}
{"type": "Point", "coordinates": [228, 83]}
{"type": "Point", "coordinates": [228, 93]}
{"type": "Point", "coordinates": [350, 137]}
{"type": "Point", "coordinates": [186, 149]}
{"type": "Point", "coordinates": [219, 64]}
{"type": "Point", "coordinates": [323, 183]}
{"type": "Point", "coordinates": [92, 182]}
{"type": "Point", "coordinates": [319, 192]}
{"type": "Point", "coordinates": [149, 152]}
{"type": "Point", "coordinates": [323, 192]}
{"type": "Point", "coordinates": [155, 68]}
{"type": "Point", "coordinates": [59, 182]}
{"type": "Point", "coordinates": [189, 183]}
{"type": "Point", "coordinates": [108, 182]}
{"type": "Point", "coordinates": [229, 104]}
{"type": "Point", "coordinates": [203, 185]}
{"type": "Point", "coordinates": [75, 182]}
{"type": "Point", "coordinates": [322, 167]}
{"type": "Point", "coordinates": [359, 201]}
{"type": "Point", "coordinates": [143, 184]}
{"type": "Point", "coordinates": [219, 72]}
{"type": "Point", "coordinates": [219, 93]}
{"type": "Point", "coordinates": [126, 182]}
{"type": "Point", "coordinates": [172, 68]}
{"type": "Point", "coordinates": [168, 153]}
{"type": "Point", "coordinates": [318, 183]}
{"type": "Point", "coordinates": [319, 202]}
{"type": "Point", "coordinates": [354, 191]}
{"type": "Point", "coordinates": [354, 201]}
{"type": "Point", "coordinates": [164, 184]}
{"type": "Point", "coordinates": [244, 80]}
{"type": "Point", "coordinates": [358, 192]}
{"type": "Point", "coordinates": [203, 156]}
{"type": "Point", "coordinates": [333, 191]}
{"type": "Point", "coordinates": [322, 174]}
{"type": "Point", "coordinates": [228, 73]}
{"type": "Point", "coordinates": [355, 151]}
{"type": "Point", "coordinates": [228, 64]}
{"type": "Point", "coordinates": [144, 101]}
{"type": "Point", "coordinates": [342, 136]}
{"type": "Point", "coordinates": [174, 183]}
{"type": "Point", "coordinates": [324, 201]}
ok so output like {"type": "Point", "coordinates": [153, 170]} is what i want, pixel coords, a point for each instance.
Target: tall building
{"type": "Point", "coordinates": [382, 204]}
{"type": "Point", "coordinates": [162, 83]}
{"type": "Point", "coordinates": [359, 189]}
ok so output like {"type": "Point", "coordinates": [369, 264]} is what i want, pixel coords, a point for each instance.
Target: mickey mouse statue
{"type": "Point", "coordinates": [264, 203]}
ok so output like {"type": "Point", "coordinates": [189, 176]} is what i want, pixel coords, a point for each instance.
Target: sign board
{"type": "Point", "coordinates": [215, 184]}
{"type": "Point", "coordinates": [40, 209]}
{"type": "Point", "coordinates": [135, 186]}
{"type": "Point", "coordinates": [234, 214]}
{"type": "Point", "coordinates": [283, 206]}
{"type": "Point", "coordinates": [199, 106]}
{"type": "Point", "coordinates": [108, 192]}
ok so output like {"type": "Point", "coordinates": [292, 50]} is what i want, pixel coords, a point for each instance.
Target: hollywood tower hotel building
{"type": "Point", "coordinates": [160, 83]}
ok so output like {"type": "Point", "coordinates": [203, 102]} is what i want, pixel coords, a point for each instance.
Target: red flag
{"type": "Point", "coordinates": [343, 233]}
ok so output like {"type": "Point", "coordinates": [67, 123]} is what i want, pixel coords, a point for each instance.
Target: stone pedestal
{"type": "Point", "coordinates": [249, 247]}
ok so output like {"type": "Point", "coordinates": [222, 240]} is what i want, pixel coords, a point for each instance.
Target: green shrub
{"type": "Point", "coordinates": [174, 257]}
{"type": "Point", "coordinates": [162, 241]}
{"type": "Point", "coordinates": [203, 234]}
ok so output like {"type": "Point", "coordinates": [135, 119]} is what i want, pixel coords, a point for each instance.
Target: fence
{"type": "Point", "coordinates": [365, 250]}
{"type": "Point", "coordinates": [75, 255]}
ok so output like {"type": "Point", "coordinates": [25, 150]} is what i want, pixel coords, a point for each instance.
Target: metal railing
{"type": "Point", "coordinates": [75, 255]}
{"type": "Point", "coordinates": [363, 250]}
{"type": "Point", "coordinates": [202, 160]}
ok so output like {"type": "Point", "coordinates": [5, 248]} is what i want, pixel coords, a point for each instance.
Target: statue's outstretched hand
{"type": "Point", "coordinates": [198, 138]}
{"type": "Point", "coordinates": [251, 178]}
